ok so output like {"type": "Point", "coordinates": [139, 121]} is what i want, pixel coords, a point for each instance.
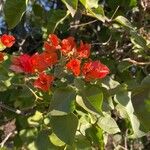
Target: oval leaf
{"type": "Point", "coordinates": [65, 127]}
{"type": "Point", "coordinates": [62, 102]}
{"type": "Point", "coordinates": [123, 21]}
{"type": "Point", "coordinates": [108, 124]}
{"type": "Point", "coordinates": [14, 10]}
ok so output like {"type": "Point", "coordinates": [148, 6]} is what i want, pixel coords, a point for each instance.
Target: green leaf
{"type": "Point", "coordinates": [82, 143]}
{"type": "Point", "coordinates": [28, 135]}
{"type": "Point", "coordinates": [138, 40]}
{"type": "Point", "coordinates": [38, 10]}
{"type": "Point", "coordinates": [25, 100]}
{"type": "Point", "coordinates": [85, 104]}
{"type": "Point", "coordinates": [127, 111]}
{"type": "Point", "coordinates": [90, 3]}
{"type": "Point", "coordinates": [94, 9]}
{"type": "Point", "coordinates": [55, 17]}
{"type": "Point", "coordinates": [123, 21]}
{"type": "Point", "coordinates": [14, 10]}
{"type": "Point", "coordinates": [95, 96]}
{"type": "Point", "coordinates": [65, 127]}
{"type": "Point", "coordinates": [62, 102]}
{"type": "Point", "coordinates": [124, 98]}
{"type": "Point", "coordinates": [98, 13]}
{"type": "Point", "coordinates": [146, 81]}
{"type": "Point", "coordinates": [55, 140]}
{"type": "Point", "coordinates": [124, 65]}
{"type": "Point", "coordinates": [141, 99]}
{"type": "Point", "coordinates": [43, 142]}
{"type": "Point", "coordinates": [79, 83]}
{"type": "Point", "coordinates": [136, 127]}
{"type": "Point", "coordinates": [95, 134]}
{"type": "Point", "coordinates": [108, 124]}
{"type": "Point", "coordinates": [35, 119]}
{"type": "Point", "coordinates": [71, 5]}
{"type": "Point", "coordinates": [133, 3]}
{"type": "Point", "coordinates": [109, 83]}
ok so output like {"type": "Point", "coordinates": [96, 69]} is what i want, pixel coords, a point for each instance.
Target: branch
{"type": "Point", "coordinates": [82, 24]}
{"type": "Point", "coordinates": [17, 111]}
{"type": "Point", "coordinates": [136, 62]}
{"type": "Point", "coordinates": [5, 140]}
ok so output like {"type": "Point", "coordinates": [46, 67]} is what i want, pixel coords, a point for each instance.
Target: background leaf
{"type": "Point", "coordinates": [14, 10]}
{"type": "Point", "coordinates": [55, 17]}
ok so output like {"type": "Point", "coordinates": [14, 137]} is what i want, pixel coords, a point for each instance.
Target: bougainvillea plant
{"type": "Point", "coordinates": [61, 96]}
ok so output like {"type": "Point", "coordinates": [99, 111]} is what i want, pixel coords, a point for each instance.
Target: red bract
{"type": "Point", "coordinates": [1, 57]}
{"type": "Point", "coordinates": [52, 44]}
{"type": "Point", "coordinates": [44, 82]}
{"type": "Point", "coordinates": [67, 45]}
{"type": "Point", "coordinates": [94, 70]}
{"type": "Point", "coordinates": [7, 40]}
{"type": "Point", "coordinates": [42, 61]}
{"type": "Point", "coordinates": [74, 66]}
{"type": "Point", "coordinates": [21, 64]}
{"type": "Point", "coordinates": [54, 40]}
{"type": "Point", "coordinates": [84, 50]}
{"type": "Point", "coordinates": [49, 48]}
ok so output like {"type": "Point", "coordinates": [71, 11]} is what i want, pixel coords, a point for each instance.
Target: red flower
{"type": "Point", "coordinates": [1, 57]}
{"type": "Point", "coordinates": [21, 64]}
{"type": "Point", "coordinates": [54, 40]}
{"type": "Point", "coordinates": [42, 61]}
{"type": "Point", "coordinates": [44, 81]}
{"type": "Point", "coordinates": [74, 66]}
{"type": "Point", "coordinates": [94, 70]}
{"type": "Point", "coordinates": [67, 45]}
{"type": "Point", "coordinates": [52, 44]}
{"type": "Point", "coordinates": [7, 40]}
{"type": "Point", "coordinates": [49, 48]}
{"type": "Point", "coordinates": [84, 50]}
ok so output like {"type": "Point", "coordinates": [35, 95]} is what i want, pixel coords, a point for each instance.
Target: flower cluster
{"type": "Point", "coordinates": [5, 41]}
{"type": "Point", "coordinates": [76, 56]}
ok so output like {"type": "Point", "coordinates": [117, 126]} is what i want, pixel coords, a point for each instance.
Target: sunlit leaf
{"type": "Point", "coordinates": [71, 5]}
{"type": "Point", "coordinates": [123, 21]}
{"type": "Point", "coordinates": [108, 124]}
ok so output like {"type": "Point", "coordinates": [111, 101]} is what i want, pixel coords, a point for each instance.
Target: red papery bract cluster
{"type": "Point", "coordinates": [22, 64]}
{"type": "Point", "coordinates": [44, 81]}
{"type": "Point", "coordinates": [41, 62]}
{"type": "Point", "coordinates": [74, 54]}
{"type": "Point", "coordinates": [7, 40]}
{"type": "Point", "coordinates": [74, 66]}
{"type": "Point", "coordinates": [94, 70]}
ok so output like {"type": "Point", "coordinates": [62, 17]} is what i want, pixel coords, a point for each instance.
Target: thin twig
{"type": "Point", "coordinates": [114, 12]}
{"type": "Point", "coordinates": [105, 43]}
{"type": "Point", "coordinates": [17, 111]}
{"type": "Point", "coordinates": [118, 146]}
{"type": "Point", "coordinates": [125, 139]}
{"type": "Point", "coordinates": [135, 62]}
{"type": "Point", "coordinates": [83, 24]}
{"type": "Point", "coordinates": [5, 140]}
{"type": "Point", "coordinates": [34, 93]}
